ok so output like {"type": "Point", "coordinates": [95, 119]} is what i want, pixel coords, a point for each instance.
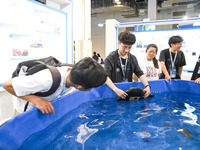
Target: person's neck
{"type": "Point", "coordinates": [68, 82]}
{"type": "Point", "coordinates": [172, 50]}
{"type": "Point", "coordinates": [148, 59]}
{"type": "Point", "coordinates": [122, 56]}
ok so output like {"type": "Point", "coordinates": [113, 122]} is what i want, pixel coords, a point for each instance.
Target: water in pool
{"type": "Point", "coordinates": [169, 121]}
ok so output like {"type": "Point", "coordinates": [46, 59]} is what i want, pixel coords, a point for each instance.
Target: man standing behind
{"type": "Point", "coordinates": [95, 57]}
{"type": "Point", "coordinates": [120, 64]}
{"type": "Point", "coordinates": [172, 59]}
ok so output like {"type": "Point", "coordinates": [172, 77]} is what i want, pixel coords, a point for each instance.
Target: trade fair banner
{"type": "Point", "coordinates": [30, 30]}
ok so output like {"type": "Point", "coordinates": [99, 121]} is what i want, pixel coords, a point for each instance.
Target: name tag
{"type": "Point", "coordinates": [173, 73]}
{"type": "Point", "coordinates": [199, 70]}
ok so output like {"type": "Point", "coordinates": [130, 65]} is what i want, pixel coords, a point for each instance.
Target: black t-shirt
{"type": "Point", "coordinates": [123, 61]}
{"type": "Point", "coordinates": [179, 62]}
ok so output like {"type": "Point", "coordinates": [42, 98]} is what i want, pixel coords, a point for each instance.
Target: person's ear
{"type": "Point", "coordinates": [118, 43]}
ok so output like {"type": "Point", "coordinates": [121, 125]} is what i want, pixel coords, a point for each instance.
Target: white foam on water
{"type": "Point", "coordinates": [188, 113]}
{"type": "Point", "coordinates": [84, 133]}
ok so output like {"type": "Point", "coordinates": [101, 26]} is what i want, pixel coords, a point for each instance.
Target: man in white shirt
{"type": "Point", "coordinates": [84, 75]}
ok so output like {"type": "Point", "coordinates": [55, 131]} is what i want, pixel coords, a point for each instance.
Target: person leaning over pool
{"type": "Point", "coordinates": [121, 65]}
{"type": "Point", "coordinates": [84, 75]}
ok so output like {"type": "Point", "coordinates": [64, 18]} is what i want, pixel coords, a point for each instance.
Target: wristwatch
{"type": "Point", "coordinates": [148, 85]}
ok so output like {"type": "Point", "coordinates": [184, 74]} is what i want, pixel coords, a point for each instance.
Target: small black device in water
{"type": "Point", "coordinates": [134, 93]}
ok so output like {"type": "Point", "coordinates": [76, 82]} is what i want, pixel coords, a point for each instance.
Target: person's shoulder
{"type": "Point", "coordinates": [142, 61]}
{"type": "Point", "coordinates": [111, 55]}
{"type": "Point", "coordinates": [113, 52]}
{"type": "Point", "coordinates": [131, 56]}
{"type": "Point", "coordinates": [181, 52]}
{"type": "Point", "coordinates": [165, 50]}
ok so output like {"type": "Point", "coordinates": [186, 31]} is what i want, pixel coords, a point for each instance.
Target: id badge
{"type": "Point", "coordinates": [198, 71]}
{"type": "Point", "coordinates": [172, 73]}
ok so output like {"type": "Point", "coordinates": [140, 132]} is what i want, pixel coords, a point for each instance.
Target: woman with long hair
{"type": "Point", "coordinates": [149, 65]}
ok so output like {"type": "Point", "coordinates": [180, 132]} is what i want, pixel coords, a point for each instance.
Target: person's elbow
{"type": "Point", "coordinates": [7, 84]}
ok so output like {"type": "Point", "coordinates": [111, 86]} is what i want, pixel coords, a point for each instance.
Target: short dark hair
{"type": "Point", "coordinates": [88, 73]}
{"type": "Point", "coordinates": [175, 39]}
{"type": "Point", "coordinates": [127, 38]}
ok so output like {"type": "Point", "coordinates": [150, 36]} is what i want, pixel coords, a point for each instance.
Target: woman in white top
{"type": "Point", "coordinates": [149, 65]}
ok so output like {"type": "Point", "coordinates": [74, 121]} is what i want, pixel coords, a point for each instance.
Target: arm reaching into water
{"type": "Point", "coordinates": [164, 70]}
{"type": "Point", "coordinates": [118, 91]}
{"type": "Point", "coordinates": [146, 84]}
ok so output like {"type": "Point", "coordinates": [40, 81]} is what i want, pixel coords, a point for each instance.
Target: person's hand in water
{"type": "Point", "coordinates": [121, 93]}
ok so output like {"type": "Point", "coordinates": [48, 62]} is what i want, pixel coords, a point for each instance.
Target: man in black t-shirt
{"type": "Point", "coordinates": [172, 59]}
{"type": "Point", "coordinates": [120, 64]}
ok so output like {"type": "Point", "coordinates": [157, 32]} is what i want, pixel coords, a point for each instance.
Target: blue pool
{"type": "Point", "coordinates": [170, 120]}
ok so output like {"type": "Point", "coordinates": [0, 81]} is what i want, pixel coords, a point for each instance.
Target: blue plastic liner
{"type": "Point", "coordinates": [15, 131]}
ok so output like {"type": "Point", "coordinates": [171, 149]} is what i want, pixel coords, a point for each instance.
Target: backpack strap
{"type": "Point", "coordinates": [65, 64]}
{"type": "Point", "coordinates": [55, 84]}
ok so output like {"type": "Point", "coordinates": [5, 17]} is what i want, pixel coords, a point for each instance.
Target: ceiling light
{"type": "Point", "coordinates": [185, 17]}
{"type": "Point", "coordinates": [101, 24]}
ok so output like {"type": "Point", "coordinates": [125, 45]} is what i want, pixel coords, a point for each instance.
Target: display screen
{"type": "Point", "coordinates": [30, 30]}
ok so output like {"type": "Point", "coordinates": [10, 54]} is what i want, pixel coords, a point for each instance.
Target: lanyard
{"type": "Point", "coordinates": [173, 61]}
{"type": "Point", "coordinates": [123, 67]}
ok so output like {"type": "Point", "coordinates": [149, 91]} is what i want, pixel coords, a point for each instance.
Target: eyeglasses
{"type": "Point", "coordinates": [124, 46]}
{"type": "Point", "coordinates": [179, 44]}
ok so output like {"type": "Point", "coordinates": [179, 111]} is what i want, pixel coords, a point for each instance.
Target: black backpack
{"type": "Point", "coordinates": [33, 66]}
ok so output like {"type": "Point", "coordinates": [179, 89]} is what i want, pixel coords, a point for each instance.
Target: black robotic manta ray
{"type": "Point", "coordinates": [134, 93]}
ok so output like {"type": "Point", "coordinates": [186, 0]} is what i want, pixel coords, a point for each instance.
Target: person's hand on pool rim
{"type": "Point", "coordinates": [197, 80]}
{"type": "Point", "coordinates": [147, 91]}
{"type": "Point", "coordinates": [44, 106]}
{"type": "Point", "coordinates": [168, 77]}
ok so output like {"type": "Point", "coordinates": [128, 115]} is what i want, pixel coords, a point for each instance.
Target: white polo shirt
{"type": "Point", "coordinates": [38, 82]}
